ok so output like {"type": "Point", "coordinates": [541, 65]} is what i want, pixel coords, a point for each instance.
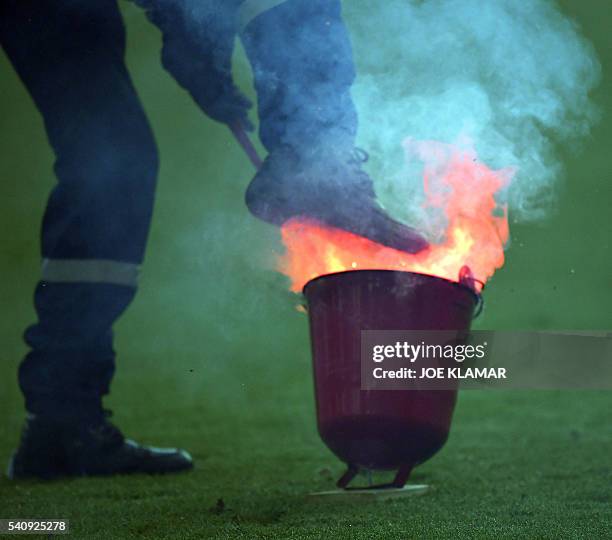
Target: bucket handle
{"type": "Point", "coordinates": [466, 278]}
{"type": "Point", "coordinates": [479, 306]}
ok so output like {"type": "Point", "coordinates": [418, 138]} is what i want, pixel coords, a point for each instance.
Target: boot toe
{"type": "Point", "coordinates": [154, 460]}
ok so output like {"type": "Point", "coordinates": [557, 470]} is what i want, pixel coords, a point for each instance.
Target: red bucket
{"type": "Point", "coordinates": [380, 429]}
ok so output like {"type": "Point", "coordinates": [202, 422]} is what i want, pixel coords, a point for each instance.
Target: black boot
{"type": "Point", "coordinates": [330, 186]}
{"type": "Point", "coordinates": [53, 447]}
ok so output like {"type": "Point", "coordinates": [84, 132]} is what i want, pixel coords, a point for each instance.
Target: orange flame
{"type": "Point", "coordinates": [455, 183]}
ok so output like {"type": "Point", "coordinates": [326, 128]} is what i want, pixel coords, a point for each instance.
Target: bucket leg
{"type": "Point", "coordinates": [402, 476]}
{"type": "Point", "coordinates": [346, 478]}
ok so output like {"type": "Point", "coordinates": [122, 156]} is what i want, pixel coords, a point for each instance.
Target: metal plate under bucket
{"type": "Point", "coordinates": [379, 429]}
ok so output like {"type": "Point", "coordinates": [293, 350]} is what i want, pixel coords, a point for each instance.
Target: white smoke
{"type": "Point", "coordinates": [513, 76]}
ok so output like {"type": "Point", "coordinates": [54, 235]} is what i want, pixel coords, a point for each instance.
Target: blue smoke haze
{"type": "Point", "coordinates": [512, 76]}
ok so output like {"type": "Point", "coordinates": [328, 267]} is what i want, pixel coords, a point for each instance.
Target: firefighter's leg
{"type": "Point", "coordinates": [303, 69]}
{"type": "Point", "coordinates": [70, 56]}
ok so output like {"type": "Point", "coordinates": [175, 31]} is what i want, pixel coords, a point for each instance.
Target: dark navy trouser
{"type": "Point", "coordinates": [70, 56]}
{"type": "Point", "coordinates": [303, 69]}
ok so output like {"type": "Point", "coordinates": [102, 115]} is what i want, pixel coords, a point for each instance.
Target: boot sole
{"type": "Point", "coordinates": [274, 213]}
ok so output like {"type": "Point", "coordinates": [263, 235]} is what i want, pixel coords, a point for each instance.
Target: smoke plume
{"type": "Point", "coordinates": [512, 78]}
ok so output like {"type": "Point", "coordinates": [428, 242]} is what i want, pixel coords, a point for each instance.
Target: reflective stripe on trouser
{"type": "Point", "coordinates": [90, 271]}
{"type": "Point", "coordinates": [70, 56]}
{"type": "Point", "coordinates": [303, 69]}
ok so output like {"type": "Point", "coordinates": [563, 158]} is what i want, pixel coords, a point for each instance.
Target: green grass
{"type": "Point", "coordinates": [517, 464]}
{"type": "Point", "coordinates": [213, 356]}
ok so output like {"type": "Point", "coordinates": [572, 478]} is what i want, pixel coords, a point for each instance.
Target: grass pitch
{"type": "Point", "coordinates": [213, 356]}
{"type": "Point", "coordinates": [517, 465]}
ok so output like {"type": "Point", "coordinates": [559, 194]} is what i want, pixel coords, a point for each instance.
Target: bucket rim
{"type": "Point", "coordinates": [477, 296]}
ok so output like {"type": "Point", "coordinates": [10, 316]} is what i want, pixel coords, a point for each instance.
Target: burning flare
{"type": "Point", "coordinates": [455, 183]}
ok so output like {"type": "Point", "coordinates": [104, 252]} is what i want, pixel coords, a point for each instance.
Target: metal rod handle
{"type": "Point", "coordinates": [245, 142]}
